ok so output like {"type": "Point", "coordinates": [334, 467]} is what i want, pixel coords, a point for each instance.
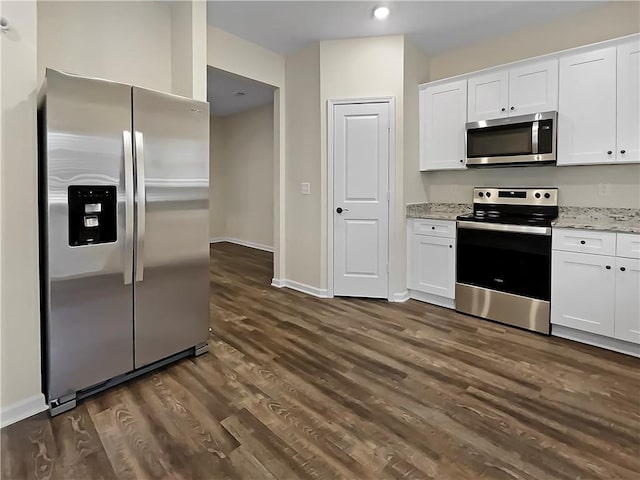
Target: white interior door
{"type": "Point", "coordinates": [360, 201]}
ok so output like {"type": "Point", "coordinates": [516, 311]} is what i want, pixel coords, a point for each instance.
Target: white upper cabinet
{"type": "Point", "coordinates": [533, 88]}
{"type": "Point", "coordinates": [587, 108]}
{"type": "Point", "coordinates": [628, 121]}
{"type": "Point", "coordinates": [488, 96]}
{"type": "Point", "coordinates": [443, 114]}
{"type": "Point", "coordinates": [530, 88]}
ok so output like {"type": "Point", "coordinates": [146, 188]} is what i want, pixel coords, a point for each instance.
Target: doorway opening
{"type": "Point", "coordinates": [241, 168]}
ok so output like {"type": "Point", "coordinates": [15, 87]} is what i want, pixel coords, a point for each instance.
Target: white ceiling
{"type": "Point", "coordinates": [221, 89]}
{"type": "Point", "coordinates": [435, 26]}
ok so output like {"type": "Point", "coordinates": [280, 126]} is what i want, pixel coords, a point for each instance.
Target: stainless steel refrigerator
{"type": "Point", "coordinates": [124, 229]}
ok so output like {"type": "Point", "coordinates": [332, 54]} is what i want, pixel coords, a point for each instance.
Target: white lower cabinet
{"type": "Point", "coordinates": [431, 267]}
{"type": "Point", "coordinates": [627, 303]}
{"type": "Point", "coordinates": [583, 292]}
{"type": "Point", "coordinates": [596, 296]}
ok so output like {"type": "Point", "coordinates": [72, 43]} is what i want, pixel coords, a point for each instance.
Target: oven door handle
{"type": "Point", "coordinates": [503, 227]}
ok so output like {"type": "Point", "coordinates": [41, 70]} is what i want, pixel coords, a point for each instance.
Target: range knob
{"type": "Point", "coordinates": [547, 195]}
{"type": "Point", "coordinates": [537, 195]}
{"type": "Point", "coordinates": [481, 194]}
{"type": "Point", "coordinates": [488, 194]}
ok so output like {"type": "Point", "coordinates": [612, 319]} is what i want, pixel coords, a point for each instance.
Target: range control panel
{"type": "Point", "coordinates": [92, 214]}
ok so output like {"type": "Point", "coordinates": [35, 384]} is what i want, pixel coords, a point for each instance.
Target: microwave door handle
{"type": "Point", "coordinates": [534, 136]}
{"type": "Point", "coordinates": [141, 204]}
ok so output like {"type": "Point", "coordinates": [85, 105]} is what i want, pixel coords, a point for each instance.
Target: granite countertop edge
{"type": "Point", "coordinates": [619, 220]}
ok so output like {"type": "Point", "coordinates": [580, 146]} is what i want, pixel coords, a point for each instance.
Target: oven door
{"type": "Point", "coordinates": [504, 273]}
{"type": "Point", "coordinates": [513, 140]}
{"type": "Point", "coordinates": [512, 259]}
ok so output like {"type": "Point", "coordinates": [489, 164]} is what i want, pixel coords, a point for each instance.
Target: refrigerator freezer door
{"type": "Point", "coordinates": [87, 232]}
{"type": "Point", "coordinates": [171, 137]}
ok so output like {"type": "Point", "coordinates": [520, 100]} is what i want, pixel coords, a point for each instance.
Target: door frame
{"type": "Point", "coordinates": [391, 223]}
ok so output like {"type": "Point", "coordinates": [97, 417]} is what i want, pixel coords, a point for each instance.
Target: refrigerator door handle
{"type": "Point", "coordinates": [128, 220]}
{"type": "Point", "coordinates": [141, 204]}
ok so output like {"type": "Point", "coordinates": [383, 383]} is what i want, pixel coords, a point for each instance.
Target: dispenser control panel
{"type": "Point", "coordinates": [92, 214]}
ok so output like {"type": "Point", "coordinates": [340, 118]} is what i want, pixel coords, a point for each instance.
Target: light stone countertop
{"type": "Point", "coordinates": [437, 211]}
{"type": "Point", "coordinates": [624, 220]}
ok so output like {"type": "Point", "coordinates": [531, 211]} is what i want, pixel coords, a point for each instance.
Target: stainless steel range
{"type": "Point", "coordinates": [504, 256]}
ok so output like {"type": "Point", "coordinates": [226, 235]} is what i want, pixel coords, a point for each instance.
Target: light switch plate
{"type": "Point", "coordinates": [305, 188]}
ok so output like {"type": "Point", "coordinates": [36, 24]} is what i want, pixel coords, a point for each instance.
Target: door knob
{"type": "Point", "coordinates": [340, 209]}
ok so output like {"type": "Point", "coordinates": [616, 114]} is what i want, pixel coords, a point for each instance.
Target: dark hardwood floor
{"type": "Point", "coordinates": [299, 387]}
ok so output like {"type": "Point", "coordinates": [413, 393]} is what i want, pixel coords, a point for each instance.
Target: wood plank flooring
{"type": "Point", "coordinates": [299, 387]}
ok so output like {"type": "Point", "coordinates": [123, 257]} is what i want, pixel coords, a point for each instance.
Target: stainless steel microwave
{"type": "Point", "coordinates": [522, 140]}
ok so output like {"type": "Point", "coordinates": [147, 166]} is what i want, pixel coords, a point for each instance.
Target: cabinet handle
{"type": "Point", "coordinates": [608, 267]}
{"type": "Point", "coordinates": [513, 108]}
{"type": "Point", "coordinates": [609, 152]}
{"type": "Point", "coordinates": [582, 242]}
{"type": "Point", "coordinates": [623, 151]}
{"type": "Point", "coordinates": [503, 109]}
{"type": "Point", "coordinates": [622, 269]}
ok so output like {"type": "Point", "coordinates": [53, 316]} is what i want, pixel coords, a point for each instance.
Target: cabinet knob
{"type": "Point", "coordinates": [461, 160]}
{"type": "Point", "coordinates": [513, 108]}
{"type": "Point", "coordinates": [608, 267]}
{"type": "Point", "coordinates": [622, 269]}
{"type": "Point", "coordinates": [433, 228]}
{"type": "Point", "coordinates": [609, 152]}
{"type": "Point", "coordinates": [623, 151]}
{"type": "Point", "coordinates": [503, 109]}
{"type": "Point", "coordinates": [451, 246]}
{"type": "Point", "coordinates": [582, 242]}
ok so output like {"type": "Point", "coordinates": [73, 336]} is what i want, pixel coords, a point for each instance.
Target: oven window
{"type": "Point", "coordinates": [499, 141]}
{"type": "Point", "coordinates": [517, 263]}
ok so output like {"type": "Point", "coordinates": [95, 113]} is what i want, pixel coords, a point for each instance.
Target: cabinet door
{"type": "Point", "coordinates": [533, 88]}
{"type": "Point", "coordinates": [587, 108]}
{"type": "Point", "coordinates": [443, 113]}
{"type": "Point", "coordinates": [582, 292]}
{"type": "Point", "coordinates": [627, 305]}
{"type": "Point", "coordinates": [433, 265]}
{"type": "Point", "coordinates": [488, 96]}
{"type": "Point", "coordinates": [628, 79]}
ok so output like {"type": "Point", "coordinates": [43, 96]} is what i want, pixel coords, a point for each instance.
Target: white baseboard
{"type": "Point", "coordinates": [23, 409]}
{"type": "Point", "coordinates": [244, 243]}
{"type": "Point", "coordinates": [614, 344]}
{"type": "Point", "coordinates": [400, 297]}
{"type": "Point", "coordinates": [300, 287]}
{"type": "Point", "coordinates": [433, 299]}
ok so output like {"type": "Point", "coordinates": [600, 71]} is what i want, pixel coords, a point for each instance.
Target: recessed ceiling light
{"type": "Point", "coordinates": [381, 12]}
{"type": "Point", "coordinates": [239, 94]}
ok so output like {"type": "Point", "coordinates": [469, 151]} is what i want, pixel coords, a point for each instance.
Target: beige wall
{"type": "Point", "coordinates": [615, 19]}
{"type": "Point", "coordinates": [356, 68]}
{"type": "Point", "coordinates": [303, 231]}
{"type": "Point", "coordinates": [128, 42]}
{"type": "Point", "coordinates": [236, 55]}
{"type": "Point", "coordinates": [20, 328]}
{"type": "Point", "coordinates": [578, 185]}
{"type": "Point", "coordinates": [241, 176]}
{"type": "Point", "coordinates": [189, 49]}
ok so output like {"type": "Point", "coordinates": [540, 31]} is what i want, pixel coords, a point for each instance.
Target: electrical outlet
{"type": "Point", "coordinates": [604, 189]}
{"type": "Point", "coordinates": [305, 188]}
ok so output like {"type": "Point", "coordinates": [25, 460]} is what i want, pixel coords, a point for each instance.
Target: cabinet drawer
{"type": "Point", "coordinates": [628, 245]}
{"type": "Point", "coordinates": [584, 241]}
{"type": "Point", "coordinates": [435, 228]}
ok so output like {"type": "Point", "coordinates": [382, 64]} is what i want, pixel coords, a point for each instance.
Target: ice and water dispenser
{"type": "Point", "coordinates": [92, 214]}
